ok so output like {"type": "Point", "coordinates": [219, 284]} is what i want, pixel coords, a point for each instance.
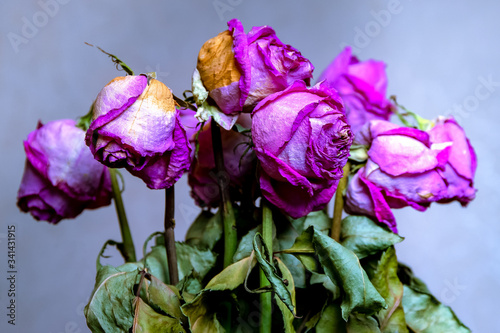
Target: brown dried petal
{"type": "Point", "coordinates": [216, 62]}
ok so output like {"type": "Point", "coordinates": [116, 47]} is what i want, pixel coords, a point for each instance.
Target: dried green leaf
{"type": "Point", "coordinates": [364, 237]}
{"type": "Point", "coordinates": [427, 315]}
{"type": "Point", "coordinates": [277, 283]}
{"type": "Point", "coordinates": [191, 261]}
{"type": "Point", "coordinates": [202, 317]}
{"type": "Point", "coordinates": [245, 246]}
{"type": "Point", "coordinates": [201, 311]}
{"type": "Point", "coordinates": [110, 308]}
{"type": "Point", "coordinates": [407, 277]}
{"type": "Point", "coordinates": [295, 267]}
{"type": "Point", "coordinates": [343, 267]}
{"type": "Point", "coordinates": [303, 244]}
{"type": "Point", "coordinates": [164, 297]}
{"type": "Point", "coordinates": [146, 320]}
{"type": "Point", "coordinates": [285, 238]}
{"type": "Point", "coordinates": [304, 250]}
{"type": "Point", "coordinates": [287, 315]}
{"type": "Point", "coordinates": [156, 262]}
{"type": "Point", "coordinates": [328, 284]}
{"type": "Point", "coordinates": [205, 231]}
{"type": "Point", "coordinates": [232, 276]}
{"type": "Point", "coordinates": [191, 284]}
{"type": "Point", "coordinates": [331, 320]}
{"type": "Point", "coordinates": [359, 323]}
{"type": "Point", "coordinates": [319, 219]}
{"type": "Point", "coordinates": [423, 312]}
{"type": "Point", "coordinates": [386, 281]}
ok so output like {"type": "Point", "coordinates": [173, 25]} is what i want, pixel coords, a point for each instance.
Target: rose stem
{"type": "Point", "coordinates": [266, 298]}
{"type": "Point", "coordinates": [127, 249]}
{"type": "Point", "coordinates": [170, 236]}
{"type": "Point", "coordinates": [226, 207]}
{"type": "Point", "coordinates": [339, 204]}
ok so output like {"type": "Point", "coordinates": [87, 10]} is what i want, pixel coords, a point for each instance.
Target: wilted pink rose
{"type": "Point", "coordinates": [410, 167]}
{"type": "Point", "coordinates": [362, 85]}
{"type": "Point", "coordinates": [240, 166]}
{"type": "Point", "coordinates": [239, 69]}
{"type": "Point", "coordinates": [61, 177]}
{"type": "Point", "coordinates": [136, 126]}
{"type": "Point", "coordinates": [302, 140]}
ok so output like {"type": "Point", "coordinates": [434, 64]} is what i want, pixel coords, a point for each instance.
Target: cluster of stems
{"type": "Point", "coordinates": [229, 224]}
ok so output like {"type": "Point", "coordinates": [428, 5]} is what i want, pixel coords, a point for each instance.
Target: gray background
{"type": "Point", "coordinates": [438, 55]}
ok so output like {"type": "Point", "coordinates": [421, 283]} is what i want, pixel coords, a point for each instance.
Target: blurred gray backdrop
{"type": "Point", "coordinates": [443, 58]}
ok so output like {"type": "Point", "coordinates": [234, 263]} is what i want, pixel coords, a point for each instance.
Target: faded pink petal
{"type": "Point", "coordinates": [302, 141]}
{"type": "Point", "coordinates": [362, 85]}
{"type": "Point", "coordinates": [61, 177]}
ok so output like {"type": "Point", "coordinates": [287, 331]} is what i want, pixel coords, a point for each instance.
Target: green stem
{"type": "Point", "coordinates": [169, 235]}
{"type": "Point", "coordinates": [339, 204]}
{"type": "Point", "coordinates": [226, 207]}
{"type": "Point", "coordinates": [127, 249]}
{"type": "Point", "coordinates": [266, 298]}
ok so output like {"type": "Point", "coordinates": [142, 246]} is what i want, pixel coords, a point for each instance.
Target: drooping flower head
{"type": "Point", "coordinates": [61, 177]}
{"type": "Point", "coordinates": [302, 141]}
{"type": "Point", "coordinates": [460, 168]}
{"type": "Point", "coordinates": [362, 85]}
{"type": "Point", "coordinates": [136, 126]}
{"type": "Point", "coordinates": [411, 167]}
{"type": "Point", "coordinates": [239, 70]}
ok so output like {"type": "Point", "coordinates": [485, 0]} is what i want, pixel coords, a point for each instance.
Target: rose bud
{"type": "Point", "coordinates": [302, 140]}
{"type": "Point", "coordinates": [239, 164]}
{"type": "Point", "coordinates": [135, 125]}
{"type": "Point", "coordinates": [410, 167]}
{"type": "Point", "coordinates": [362, 85]}
{"type": "Point", "coordinates": [61, 177]}
{"type": "Point", "coordinates": [239, 70]}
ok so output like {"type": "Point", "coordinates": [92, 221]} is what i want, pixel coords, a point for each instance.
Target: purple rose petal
{"type": "Point", "coordinates": [136, 126]}
{"type": "Point", "coordinates": [409, 167]}
{"type": "Point", "coordinates": [61, 177]}
{"type": "Point", "coordinates": [302, 141]}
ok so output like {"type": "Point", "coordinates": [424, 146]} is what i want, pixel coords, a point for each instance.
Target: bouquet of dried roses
{"type": "Point", "coordinates": [265, 152]}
